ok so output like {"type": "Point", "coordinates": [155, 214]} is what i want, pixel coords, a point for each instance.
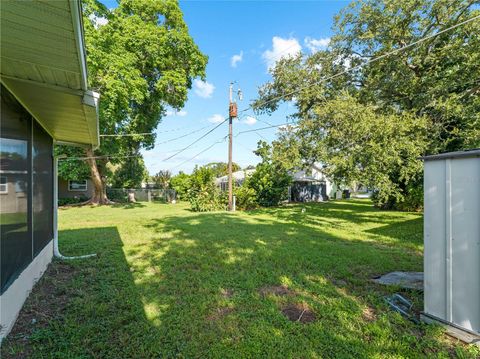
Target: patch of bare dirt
{"type": "Point", "coordinates": [226, 293]}
{"type": "Point", "coordinates": [368, 314]}
{"type": "Point", "coordinates": [339, 283]}
{"type": "Point", "coordinates": [219, 313]}
{"type": "Point", "coordinates": [299, 313]}
{"type": "Point", "coordinates": [47, 302]}
{"type": "Point", "coordinates": [280, 290]}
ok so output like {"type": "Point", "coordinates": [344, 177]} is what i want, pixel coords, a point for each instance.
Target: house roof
{"type": "Point", "coordinates": [237, 176]}
{"type": "Point", "coordinates": [43, 64]}
{"type": "Point", "coordinates": [301, 176]}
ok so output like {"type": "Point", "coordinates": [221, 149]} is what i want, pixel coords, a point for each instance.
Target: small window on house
{"type": "Point", "coordinates": [3, 184]}
{"type": "Point", "coordinates": [77, 185]}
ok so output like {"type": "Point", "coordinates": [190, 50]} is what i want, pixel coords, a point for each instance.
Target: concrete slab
{"type": "Point", "coordinates": [409, 280]}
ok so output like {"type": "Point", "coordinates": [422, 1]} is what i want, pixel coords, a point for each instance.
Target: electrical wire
{"type": "Point", "coordinates": [250, 107]}
{"type": "Point", "coordinates": [265, 128]}
{"type": "Point", "coordinates": [129, 134]}
{"type": "Point", "coordinates": [393, 52]}
{"type": "Point", "coordinates": [198, 139]}
{"type": "Point", "coordinates": [182, 136]}
{"type": "Point", "coordinates": [198, 154]}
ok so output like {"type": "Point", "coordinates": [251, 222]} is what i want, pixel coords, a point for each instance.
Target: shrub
{"type": "Point", "coordinates": [181, 184]}
{"type": "Point", "coordinates": [270, 180]}
{"type": "Point", "coordinates": [410, 199]}
{"type": "Point", "coordinates": [246, 197]}
{"type": "Point", "coordinates": [203, 195]}
{"type": "Point", "coordinates": [74, 200]}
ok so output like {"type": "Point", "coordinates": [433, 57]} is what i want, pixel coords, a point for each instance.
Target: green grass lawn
{"type": "Point", "coordinates": [168, 282]}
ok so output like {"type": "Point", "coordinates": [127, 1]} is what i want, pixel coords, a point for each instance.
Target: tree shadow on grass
{"type": "Point", "coordinates": [196, 288]}
{"type": "Point", "coordinates": [201, 257]}
{"type": "Point", "coordinates": [404, 231]}
{"type": "Point", "coordinates": [82, 308]}
{"type": "Point", "coordinates": [356, 211]}
{"type": "Point", "coordinates": [128, 205]}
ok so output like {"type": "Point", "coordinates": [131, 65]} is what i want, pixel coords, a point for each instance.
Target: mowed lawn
{"type": "Point", "coordinates": [168, 282]}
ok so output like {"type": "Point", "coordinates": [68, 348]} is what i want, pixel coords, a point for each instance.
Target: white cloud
{"type": "Point", "coordinates": [235, 59]}
{"type": "Point", "coordinates": [249, 120]}
{"type": "Point", "coordinates": [281, 48]}
{"type": "Point", "coordinates": [217, 118]}
{"type": "Point", "coordinates": [181, 113]}
{"type": "Point", "coordinates": [203, 88]}
{"type": "Point", "coordinates": [315, 45]}
{"type": "Point", "coordinates": [97, 21]}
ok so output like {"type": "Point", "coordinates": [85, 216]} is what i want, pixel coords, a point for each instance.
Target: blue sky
{"type": "Point", "coordinates": [241, 38]}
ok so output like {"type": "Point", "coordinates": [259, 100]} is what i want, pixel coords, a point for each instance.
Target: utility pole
{"type": "Point", "coordinates": [232, 113]}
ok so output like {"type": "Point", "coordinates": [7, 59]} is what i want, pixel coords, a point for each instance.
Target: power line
{"type": "Point", "coordinates": [96, 157]}
{"type": "Point", "coordinates": [155, 133]}
{"type": "Point", "coordinates": [129, 134]}
{"type": "Point", "coordinates": [265, 128]}
{"type": "Point", "coordinates": [198, 139]}
{"type": "Point", "coordinates": [182, 136]}
{"type": "Point", "coordinates": [198, 154]}
{"type": "Point", "coordinates": [393, 52]}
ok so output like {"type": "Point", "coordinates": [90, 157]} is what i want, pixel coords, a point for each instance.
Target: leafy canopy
{"type": "Point", "coordinates": [141, 59]}
{"type": "Point", "coordinates": [370, 123]}
{"type": "Point", "coordinates": [270, 180]}
{"type": "Point", "coordinates": [130, 174]}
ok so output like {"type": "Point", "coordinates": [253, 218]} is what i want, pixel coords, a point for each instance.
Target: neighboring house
{"type": "Point", "coordinates": [238, 178]}
{"type": "Point", "coordinates": [311, 186]}
{"type": "Point", "coordinates": [44, 100]}
{"type": "Point", "coordinates": [75, 189]}
{"type": "Point", "coordinates": [307, 186]}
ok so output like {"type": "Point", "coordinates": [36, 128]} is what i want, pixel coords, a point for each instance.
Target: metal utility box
{"type": "Point", "coordinates": [452, 240]}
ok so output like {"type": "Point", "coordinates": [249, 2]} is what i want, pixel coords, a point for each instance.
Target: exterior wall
{"type": "Point", "coordinates": [26, 206]}
{"type": "Point", "coordinates": [308, 192]}
{"type": "Point", "coordinates": [64, 192]}
{"type": "Point", "coordinates": [11, 301]}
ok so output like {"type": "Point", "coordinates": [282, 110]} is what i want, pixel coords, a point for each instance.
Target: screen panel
{"type": "Point", "coordinates": [15, 223]}
{"type": "Point", "coordinates": [42, 199]}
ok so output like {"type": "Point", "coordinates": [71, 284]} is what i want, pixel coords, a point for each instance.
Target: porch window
{"type": "Point", "coordinates": [77, 185]}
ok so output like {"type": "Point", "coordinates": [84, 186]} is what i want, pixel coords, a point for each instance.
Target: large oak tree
{"type": "Point", "coordinates": [371, 123]}
{"type": "Point", "coordinates": [141, 59]}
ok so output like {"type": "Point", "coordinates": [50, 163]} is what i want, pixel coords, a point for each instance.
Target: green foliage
{"type": "Point", "coordinates": [357, 143]}
{"type": "Point", "coordinates": [180, 183]}
{"type": "Point", "coordinates": [270, 180]}
{"type": "Point", "coordinates": [246, 197]}
{"type": "Point", "coordinates": [430, 88]}
{"type": "Point", "coordinates": [437, 78]}
{"type": "Point", "coordinates": [75, 200]}
{"type": "Point", "coordinates": [162, 179]}
{"type": "Point", "coordinates": [203, 194]}
{"type": "Point", "coordinates": [412, 198]}
{"type": "Point", "coordinates": [72, 169]}
{"type": "Point", "coordinates": [130, 174]}
{"type": "Point", "coordinates": [221, 168]}
{"type": "Point", "coordinates": [141, 61]}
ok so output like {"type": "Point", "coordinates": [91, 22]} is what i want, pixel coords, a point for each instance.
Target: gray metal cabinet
{"type": "Point", "coordinates": [452, 238]}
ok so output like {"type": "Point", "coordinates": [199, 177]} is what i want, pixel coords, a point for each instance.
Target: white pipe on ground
{"type": "Point", "coordinates": [56, 250]}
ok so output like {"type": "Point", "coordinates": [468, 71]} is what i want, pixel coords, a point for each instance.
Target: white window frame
{"type": "Point", "coordinates": [3, 186]}
{"type": "Point", "coordinates": [77, 189]}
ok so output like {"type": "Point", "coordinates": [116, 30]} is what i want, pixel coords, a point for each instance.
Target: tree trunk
{"type": "Point", "coordinates": [100, 193]}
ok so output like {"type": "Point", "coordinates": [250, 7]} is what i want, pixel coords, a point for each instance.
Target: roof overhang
{"type": "Point", "coordinates": [43, 65]}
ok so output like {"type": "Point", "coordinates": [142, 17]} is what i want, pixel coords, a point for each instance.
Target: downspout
{"type": "Point", "coordinates": [56, 251]}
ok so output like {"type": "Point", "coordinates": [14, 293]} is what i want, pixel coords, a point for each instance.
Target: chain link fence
{"type": "Point", "coordinates": [141, 195]}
